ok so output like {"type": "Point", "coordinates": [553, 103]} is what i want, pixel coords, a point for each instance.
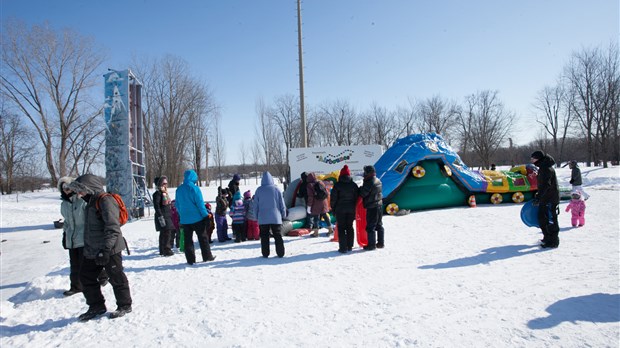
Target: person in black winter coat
{"type": "Point", "coordinates": [372, 199]}
{"type": "Point", "coordinates": [233, 187]}
{"type": "Point", "coordinates": [548, 199]}
{"type": "Point", "coordinates": [163, 216]}
{"type": "Point", "coordinates": [575, 179]}
{"type": "Point", "coordinates": [343, 200]}
{"type": "Point", "coordinates": [103, 244]}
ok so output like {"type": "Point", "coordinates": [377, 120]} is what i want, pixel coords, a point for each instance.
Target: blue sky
{"type": "Point", "coordinates": [361, 51]}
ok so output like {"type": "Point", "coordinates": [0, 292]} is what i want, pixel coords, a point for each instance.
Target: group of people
{"type": "Point", "coordinates": [92, 234]}
{"type": "Point", "coordinates": [548, 198]}
{"type": "Point", "coordinates": [343, 202]}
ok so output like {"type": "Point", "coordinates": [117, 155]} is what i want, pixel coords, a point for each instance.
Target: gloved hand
{"type": "Point", "coordinates": [102, 258]}
{"type": "Point", "coordinates": [309, 210]}
{"type": "Point", "coordinates": [162, 221]}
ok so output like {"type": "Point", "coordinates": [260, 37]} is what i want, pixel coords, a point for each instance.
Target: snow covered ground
{"type": "Point", "coordinates": [459, 277]}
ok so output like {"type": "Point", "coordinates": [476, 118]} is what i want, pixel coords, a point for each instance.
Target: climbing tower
{"type": "Point", "coordinates": [124, 151]}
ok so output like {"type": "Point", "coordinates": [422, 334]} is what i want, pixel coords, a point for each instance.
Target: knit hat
{"type": "Point", "coordinates": [247, 194]}
{"type": "Point", "coordinates": [575, 195]}
{"type": "Point", "coordinates": [345, 171]}
{"type": "Point", "coordinates": [537, 155]}
{"type": "Point", "coordinates": [236, 177]}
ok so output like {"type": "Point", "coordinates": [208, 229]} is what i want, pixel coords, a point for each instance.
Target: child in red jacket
{"type": "Point", "coordinates": [577, 207]}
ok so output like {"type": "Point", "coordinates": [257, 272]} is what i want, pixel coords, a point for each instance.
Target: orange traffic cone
{"type": "Point", "coordinates": [472, 201]}
{"type": "Point", "coordinates": [335, 237]}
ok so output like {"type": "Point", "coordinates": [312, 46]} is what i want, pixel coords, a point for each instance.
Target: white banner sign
{"type": "Point", "coordinates": [324, 160]}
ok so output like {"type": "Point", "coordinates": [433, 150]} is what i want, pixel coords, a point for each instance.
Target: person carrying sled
{"type": "Point", "coordinates": [194, 217]}
{"type": "Point", "coordinates": [269, 209]}
{"type": "Point", "coordinates": [372, 199]}
{"type": "Point", "coordinates": [103, 244]}
{"type": "Point", "coordinates": [343, 200]}
{"type": "Point", "coordinates": [72, 209]}
{"type": "Point", "coordinates": [547, 198]}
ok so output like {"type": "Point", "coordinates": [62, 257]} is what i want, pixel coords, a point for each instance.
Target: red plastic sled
{"type": "Point", "coordinates": [360, 224]}
{"type": "Point", "coordinates": [298, 232]}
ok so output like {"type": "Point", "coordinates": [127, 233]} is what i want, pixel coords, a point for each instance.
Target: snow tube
{"type": "Point", "coordinates": [529, 214]}
{"type": "Point", "coordinates": [287, 226]}
{"type": "Point", "coordinates": [296, 213]}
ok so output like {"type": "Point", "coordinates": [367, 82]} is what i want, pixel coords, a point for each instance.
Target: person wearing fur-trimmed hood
{"type": "Point", "coordinates": [103, 244]}
{"type": "Point", "coordinates": [72, 211]}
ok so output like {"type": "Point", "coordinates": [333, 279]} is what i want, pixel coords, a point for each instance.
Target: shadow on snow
{"type": "Point", "coordinates": [595, 308]}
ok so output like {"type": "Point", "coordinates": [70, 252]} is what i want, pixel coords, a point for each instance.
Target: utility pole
{"type": "Point", "coordinates": [304, 132]}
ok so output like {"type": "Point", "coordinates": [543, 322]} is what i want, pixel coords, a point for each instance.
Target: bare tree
{"type": "Point", "coordinates": [177, 109]}
{"type": "Point", "coordinates": [218, 149]}
{"type": "Point", "coordinates": [16, 149]}
{"type": "Point", "coordinates": [243, 154]}
{"type": "Point", "coordinates": [437, 115]}
{"type": "Point", "coordinates": [379, 126]}
{"type": "Point", "coordinates": [47, 76]}
{"type": "Point", "coordinates": [581, 73]}
{"type": "Point", "coordinates": [406, 116]}
{"type": "Point", "coordinates": [339, 120]}
{"type": "Point", "coordinates": [484, 124]}
{"type": "Point", "coordinates": [555, 116]}
{"type": "Point", "coordinates": [256, 158]}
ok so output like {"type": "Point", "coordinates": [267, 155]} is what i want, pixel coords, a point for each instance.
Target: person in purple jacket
{"type": "Point", "coordinates": [269, 208]}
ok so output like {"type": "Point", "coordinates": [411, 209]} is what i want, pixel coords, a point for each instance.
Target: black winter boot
{"type": "Point", "coordinates": [92, 313]}
{"type": "Point", "coordinates": [120, 311]}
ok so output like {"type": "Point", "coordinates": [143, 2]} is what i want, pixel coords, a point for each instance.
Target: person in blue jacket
{"type": "Point", "coordinates": [194, 217]}
{"type": "Point", "coordinates": [269, 208]}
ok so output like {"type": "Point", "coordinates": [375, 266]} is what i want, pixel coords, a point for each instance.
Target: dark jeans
{"type": "Point", "coordinates": [277, 236]}
{"type": "Point", "coordinates": [548, 222]}
{"type": "Point", "coordinates": [203, 241]}
{"type": "Point", "coordinates": [374, 217]}
{"type": "Point", "coordinates": [89, 275]}
{"type": "Point", "coordinates": [346, 234]}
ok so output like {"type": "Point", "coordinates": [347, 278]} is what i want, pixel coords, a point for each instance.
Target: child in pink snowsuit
{"type": "Point", "coordinates": [578, 210]}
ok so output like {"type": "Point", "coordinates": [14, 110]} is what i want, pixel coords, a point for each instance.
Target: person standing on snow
{"type": "Point", "coordinates": [194, 217]}
{"type": "Point", "coordinates": [233, 187]}
{"type": "Point", "coordinates": [163, 216]}
{"type": "Point", "coordinates": [103, 244]}
{"type": "Point", "coordinates": [575, 179]}
{"type": "Point", "coordinates": [72, 211]}
{"type": "Point", "coordinates": [343, 200]}
{"type": "Point", "coordinates": [372, 199]}
{"type": "Point", "coordinates": [317, 208]}
{"type": "Point", "coordinates": [548, 199]}
{"type": "Point", "coordinates": [269, 209]}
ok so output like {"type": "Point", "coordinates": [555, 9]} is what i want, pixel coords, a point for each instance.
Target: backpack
{"type": "Point", "coordinates": [122, 209]}
{"type": "Point", "coordinates": [320, 191]}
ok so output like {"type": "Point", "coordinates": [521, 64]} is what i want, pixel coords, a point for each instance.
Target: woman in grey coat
{"type": "Point", "coordinates": [72, 211]}
{"type": "Point", "coordinates": [269, 209]}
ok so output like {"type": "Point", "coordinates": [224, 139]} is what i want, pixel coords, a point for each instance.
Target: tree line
{"type": "Point", "coordinates": [50, 113]}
